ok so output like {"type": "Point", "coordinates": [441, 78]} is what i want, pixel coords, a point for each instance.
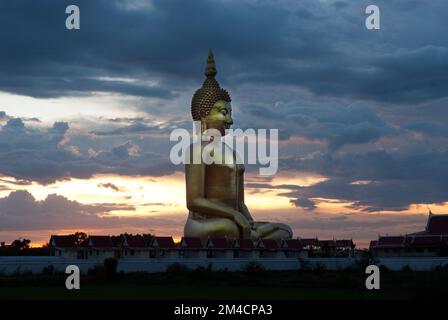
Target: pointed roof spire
{"type": "Point", "coordinates": [210, 69]}
{"type": "Point", "coordinates": [430, 214]}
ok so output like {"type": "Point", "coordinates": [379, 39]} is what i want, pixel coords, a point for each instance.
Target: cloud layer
{"type": "Point", "coordinates": [47, 155]}
{"type": "Point", "coordinates": [367, 110]}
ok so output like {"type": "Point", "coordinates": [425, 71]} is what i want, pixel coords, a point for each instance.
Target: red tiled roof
{"type": "Point", "coordinates": [136, 241]}
{"type": "Point", "coordinates": [437, 224]}
{"type": "Point", "coordinates": [425, 241]}
{"type": "Point", "coordinates": [292, 244]}
{"type": "Point", "coordinates": [396, 241]}
{"type": "Point", "coordinates": [100, 242]}
{"type": "Point", "coordinates": [243, 244]}
{"type": "Point", "coordinates": [408, 240]}
{"type": "Point", "coordinates": [191, 243]}
{"type": "Point", "coordinates": [309, 242]}
{"type": "Point", "coordinates": [269, 244]}
{"type": "Point", "coordinates": [218, 243]}
{"type": "Point", "coordinates": [414, 241]}
{"type": "Point", "coordinates": [117, 240]}
{"type": "Point", "coordinates": [327, 243]}
{"type": "Point", "coordinates": [63, 241]}
{"type": "Point", "coordinates": [163, 242]}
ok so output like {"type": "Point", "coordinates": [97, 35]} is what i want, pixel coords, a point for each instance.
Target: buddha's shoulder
{"type": "Point", "coordinates": [200, 151]}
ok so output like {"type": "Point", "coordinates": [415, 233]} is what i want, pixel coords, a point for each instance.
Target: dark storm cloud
{"type": "Point", "coordinates": [20, 204]}
{"type": "Point", "coordinates": [309, 68]}
{"type": "Point", "coordinates": [429, 128]}
{"type": "Point", "coordinates": [304, 203]}
{"type": "Point", "coordinates": [373, 181]}
{"type": "Point", "coordinates": [323, 47]}
{"type": "Point", "coordinates": [16, 182]}
{"type": "Point", "coordinates": [21, 211]}
{"type": "Point", "coordinates": [46, 156]}
{"type": "Point", "coordinates": [334, 123]}
{"type": "Point", "coordinates": [111, 186]}
{"type": "Point", "coordinates": [4, 116]}
{"type": "Point", "coordinates": [141, 127]}
{"type": "Point", "coordinates": [136, 127]}
{"type": "Point", "coordinates": [124, 120]}
{"type": "Point", "coordinates": [77, 85]}
{"type": "Point", "coordinates": [156, 42]}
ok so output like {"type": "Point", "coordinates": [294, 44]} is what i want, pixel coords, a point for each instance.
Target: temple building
{"type": "Point", "coordinates": [131, 247]}
{"type": "Point", "coordinates": [437, 225]}
{"type": "Point", "coordinates": [431, 242]}
{"type": "Point", "coordinates": [64, 246]}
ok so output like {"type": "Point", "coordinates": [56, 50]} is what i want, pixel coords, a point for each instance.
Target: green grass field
{"type": "Point", "coordinates": [226, 285]}
{"type": "Point", "coordinates": [172, 291]}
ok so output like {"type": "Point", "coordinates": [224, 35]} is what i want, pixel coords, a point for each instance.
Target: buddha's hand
{"type": "Point", "coordinates": [244, 224]}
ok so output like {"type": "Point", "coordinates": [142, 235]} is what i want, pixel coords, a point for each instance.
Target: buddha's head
{"type": "Point", "coordinates": [211, 103]}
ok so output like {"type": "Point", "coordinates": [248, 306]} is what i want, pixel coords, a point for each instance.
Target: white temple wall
{"type": "Point", "coordinates": [11, 265]}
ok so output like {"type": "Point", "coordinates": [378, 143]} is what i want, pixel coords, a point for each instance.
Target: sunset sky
{"type": "Point", "coordinates": [85, 115]}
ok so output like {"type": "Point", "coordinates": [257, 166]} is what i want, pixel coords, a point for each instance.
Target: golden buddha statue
{"type": "Point", "coordinates": [215, 192]}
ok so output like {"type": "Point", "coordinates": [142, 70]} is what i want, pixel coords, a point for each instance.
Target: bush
{"type": "Point", "coordinates": [319, 268]}
{"type": "Point", "coordinates": [253, 268]}
{"type": "Point", "coordinates": [210, 267]}
{"type": "Point", "coordinates": [98, 272]}
{"type": "Point", "coordinates": [304, 265]}
{"type": "Point", "coordinates": [360, 264]}
{"type": "Point", "coordinates": [441, 268]}
{"type": "Point", "coordinates": [406, 269]}
{"type": "Point", "coordinates": [199, 273]}
{"type": "Point", "coordinates": [383, 269]}
{"type": "Point", "coordinates": [176, 269]}
{"type": "Point", "coordinates": [48, 271]}
{"type": "Point", "coordinates": [110, 268]}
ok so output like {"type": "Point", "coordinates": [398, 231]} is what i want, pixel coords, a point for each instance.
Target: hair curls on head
{"type": "Point", "coordinates": [210, 92]}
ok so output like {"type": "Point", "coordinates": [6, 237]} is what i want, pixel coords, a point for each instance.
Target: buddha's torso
{"type": "Point", "coordinates": [222, 182]}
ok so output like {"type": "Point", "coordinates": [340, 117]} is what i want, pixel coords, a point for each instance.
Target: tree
{"type": "Point", "coordinates": [148, 238]}
{"type": "Point", "coordinates": [110, 267]}
{"type": "Point", "coordinates": [80, 238]}
{"type": "Point", "coordinates": [21, 244]}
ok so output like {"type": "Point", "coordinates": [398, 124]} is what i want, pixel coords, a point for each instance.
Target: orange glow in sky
{"type": "Point", "coordinates": [161, 197]}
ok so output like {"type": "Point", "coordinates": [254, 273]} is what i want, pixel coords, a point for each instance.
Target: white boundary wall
{"type": "Point", "coordinates": [11, 265]}
{"type": "Point", "coordinates": [415, 264]}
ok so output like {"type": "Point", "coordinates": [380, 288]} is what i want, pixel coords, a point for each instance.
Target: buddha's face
{"type": "Point", "coordinates": [220, 117]}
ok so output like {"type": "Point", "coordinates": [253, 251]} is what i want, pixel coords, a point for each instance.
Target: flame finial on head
{"type": "Point", "coordinates": [210, 69]}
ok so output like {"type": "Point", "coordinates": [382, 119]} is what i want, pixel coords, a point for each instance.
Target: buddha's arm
{"type": "Point", "coordinates": [245, 211]}
{"type": "Point", "coordinates": [241, 205]}
{"type": "Point", "coordinates": [195, 196]}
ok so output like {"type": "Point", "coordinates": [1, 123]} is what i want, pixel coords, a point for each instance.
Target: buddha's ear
{"type": "Point", "coordinates": [203, 124]}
